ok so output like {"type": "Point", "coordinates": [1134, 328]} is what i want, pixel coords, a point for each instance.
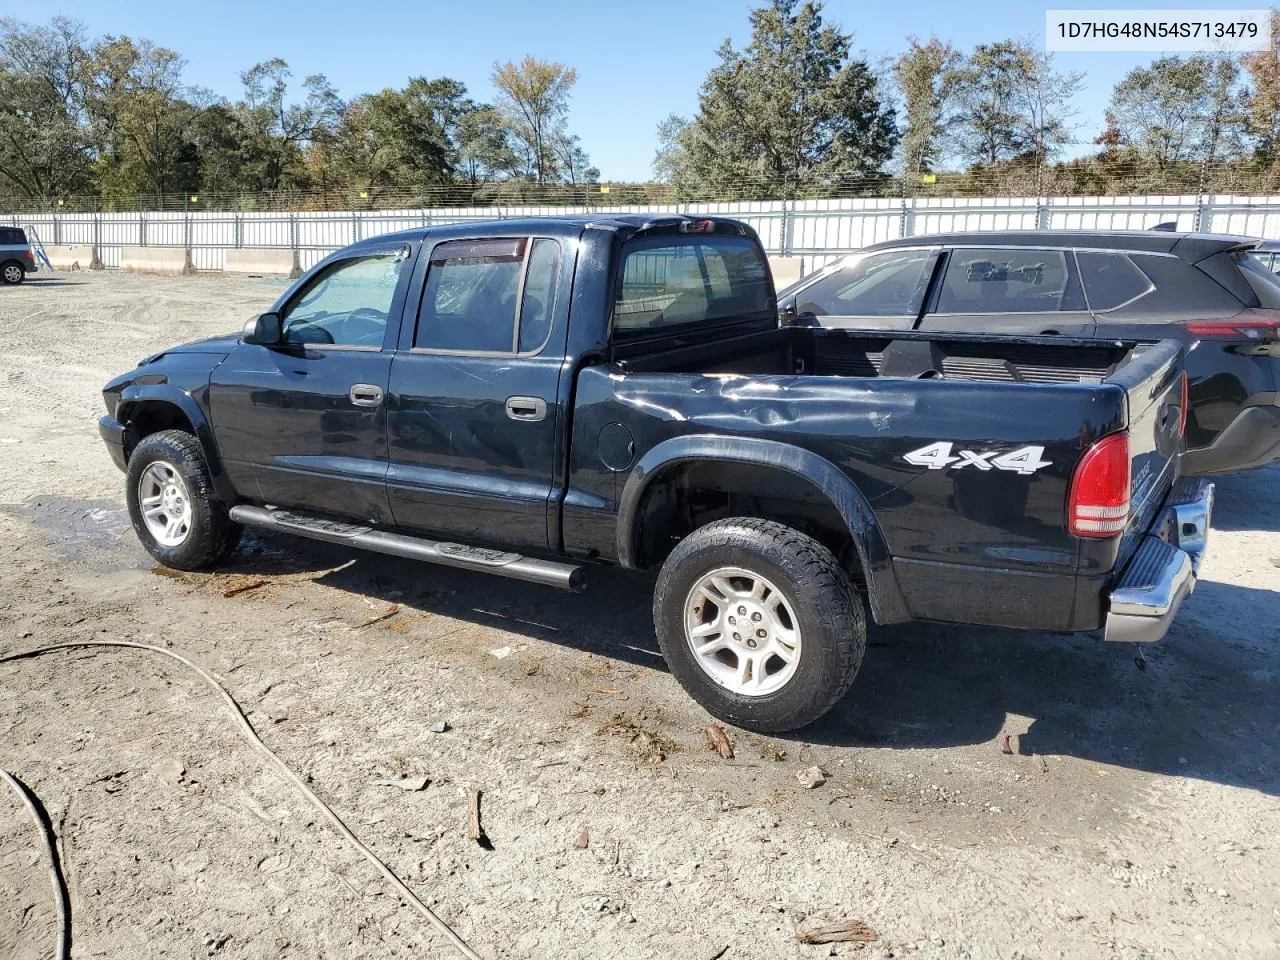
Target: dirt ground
{"type": "Point", "coordinates": [1137, 815]}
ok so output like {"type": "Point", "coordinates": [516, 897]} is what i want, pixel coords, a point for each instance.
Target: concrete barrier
{"type": "Point", "coordinates": [78, 256]}
{"type": "Point", "coordinates": [262, 262]}
{"type": "Point", "coordinates": [786, 270]}
{"type": "Point", "coordinates": [172, 261]}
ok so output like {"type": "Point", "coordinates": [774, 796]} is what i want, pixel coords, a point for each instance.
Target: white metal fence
{"type": "Point", "coordinates": [815, 230]}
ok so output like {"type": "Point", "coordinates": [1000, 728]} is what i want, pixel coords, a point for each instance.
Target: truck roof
{"type": "Point", "coordinates": [1192, 247]}
{"type": "Point", "coordinates": [557, 225]}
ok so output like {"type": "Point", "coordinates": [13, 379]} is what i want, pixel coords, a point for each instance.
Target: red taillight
{"type": "Point", "coordinates": [1186, 402]}
{"type": "Point", "coordinates": [1099, 503]}
{"type": "Point", "coordinates": [1249, 330]}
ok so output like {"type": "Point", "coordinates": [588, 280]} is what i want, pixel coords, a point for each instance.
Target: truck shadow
{"type": "Point", "coordinates": [1248, 501]}
{"type": "Point", "coordinates": [1204, 707]}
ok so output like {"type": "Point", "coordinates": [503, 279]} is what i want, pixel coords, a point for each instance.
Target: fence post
{"type": "Point", "coordinates": [296, 270]}
{"type": "Point", "coordinates": [142, 228]}
{"type": "Point", "coordinates": [784, 230]}
{"type": "Point", "coordinates": [57, 230]}
{"type": "Point", "coordinates": [238, 230]}
{"type": "Point", "coordinates": [1044, 213]}
{"type": "Point", "coordinates": [355, 226]}
{"type": "Point", "coordinates": [1204, 215]}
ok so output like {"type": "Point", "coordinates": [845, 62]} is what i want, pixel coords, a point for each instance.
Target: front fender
{"type": "Point", "coordinates": [136, 394]}
{"type": "Point", "coordinates": [883, 593]}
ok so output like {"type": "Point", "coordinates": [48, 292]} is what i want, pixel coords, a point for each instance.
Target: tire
{"type": "Point", "coordinates": [12, 273]}
{"type": "Point", "coordinates": [209, 534]}
{"type": "Point", "coordinates": [816, 595]}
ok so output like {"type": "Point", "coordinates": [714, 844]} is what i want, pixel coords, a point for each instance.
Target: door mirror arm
{"type": "Point", "coordinates": [265, 330]}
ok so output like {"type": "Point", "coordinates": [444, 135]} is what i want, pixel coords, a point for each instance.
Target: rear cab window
{"type": "Point", "coordinates": [688, 282]}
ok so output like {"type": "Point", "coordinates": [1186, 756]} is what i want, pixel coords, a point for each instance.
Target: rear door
{"type": "Point", "coordinates": [882, 290]}
{"type": "Point", "coordinates": [1018, 291]}
{"type": "Point", "coordinates": [473, 390]}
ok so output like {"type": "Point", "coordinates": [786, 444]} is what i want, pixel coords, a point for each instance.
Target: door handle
{"type": "Point", "coordinates": [366, 395]}
{"type": "Point", "coordinates": [526, 408]}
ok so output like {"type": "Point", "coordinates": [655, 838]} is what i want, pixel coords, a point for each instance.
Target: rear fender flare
{"type": "Point", "coordinates": [883, 594]}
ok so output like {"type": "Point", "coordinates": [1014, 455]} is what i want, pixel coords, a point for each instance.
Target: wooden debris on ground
{"type": "Point", "coordinates": [845, 931]}
{"type": "Point", "coordinates": [719, 741]}
{"type": "Point", "coordinates": [390, 612]}
{"type": "Point", "coordinates": [475, 832]}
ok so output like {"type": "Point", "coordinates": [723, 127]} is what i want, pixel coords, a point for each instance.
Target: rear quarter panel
{"type": "Point", "coordinates": [935, 521]}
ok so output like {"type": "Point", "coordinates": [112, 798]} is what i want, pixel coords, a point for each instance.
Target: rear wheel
{"type": "Point", "coordinates": [172, 503]}
{"type": "Point", "coordinates": [12, 273]}
{"type": "Point", "coordinates": [759, 623]}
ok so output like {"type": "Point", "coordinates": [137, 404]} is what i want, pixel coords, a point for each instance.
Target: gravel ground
{"type": "Point", "coordinates": [1137, 815]}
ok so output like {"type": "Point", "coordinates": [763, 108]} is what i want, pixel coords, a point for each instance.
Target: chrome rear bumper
{"type": "Point", "coordinates": [1163, 571]}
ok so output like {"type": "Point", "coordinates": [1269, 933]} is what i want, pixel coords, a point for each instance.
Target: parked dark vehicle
{"type": "Point", "coordinates": [1209, 292]}
{"type": "Point", "coordinates": [530, 397]}
{"type": "Point", "coordinates": [16, 256]}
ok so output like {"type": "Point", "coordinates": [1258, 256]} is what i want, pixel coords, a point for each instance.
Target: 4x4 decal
{"type": "Point", "coordinates": [938, 456]}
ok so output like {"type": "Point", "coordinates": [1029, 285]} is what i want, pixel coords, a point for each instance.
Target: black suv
{"type": "Point", "coordinates": [1209, 291]}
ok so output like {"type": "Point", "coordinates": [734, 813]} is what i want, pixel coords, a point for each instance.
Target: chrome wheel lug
{"type": "Point", "coordinates": [751, 644]}
{"type": "Point", "coordinates": [761, 634]}
{"type": "Point", "coordinates": [755, 617]}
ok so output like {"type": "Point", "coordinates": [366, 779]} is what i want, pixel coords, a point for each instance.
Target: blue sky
{"type": "Point", "coordinates": [636, 62]}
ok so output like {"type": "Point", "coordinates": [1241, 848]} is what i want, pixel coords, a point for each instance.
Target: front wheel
{"type": "Point", "coordinates": [759, 623]}
{"type": "Point", "coordinates": [172, 503]}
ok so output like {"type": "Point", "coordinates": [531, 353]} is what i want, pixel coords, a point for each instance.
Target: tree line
{"type": "Point", "coordinates": [795, 112]}
{"type": "Point", "coordinates": [114, 118]}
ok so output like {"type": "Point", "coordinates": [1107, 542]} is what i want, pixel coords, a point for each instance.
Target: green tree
{"type": "Point", "coordinates": [987, 88]}
{"type": "Point", "coordinates": [533, 97]}
{"type": "Point", "coordinates": [277, 130]}
{"type": "Point", "coordinates": [43, 144]}
{"type": "Point", "coordinates": [1178, 109]}
{"type": "Point", "coordinates": [671, 159]}
{"type": "Point", "coordinates": [926, 75]}
{"type": "Point", "coordinates": [793, 106]}
{"type": "Point", "coordinates": [484, 146]}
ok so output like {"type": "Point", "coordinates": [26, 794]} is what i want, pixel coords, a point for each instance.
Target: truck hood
{"type": "Point", "coordinates": [223, 343]}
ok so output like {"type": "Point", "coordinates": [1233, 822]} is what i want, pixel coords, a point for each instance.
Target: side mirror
{"type": "Point", "coordinates": [787, 312]}
{"type": "Point", "coordinates": [264, 330]}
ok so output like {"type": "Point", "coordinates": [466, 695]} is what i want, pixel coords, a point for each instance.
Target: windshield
{"type": "Point", "coordinates": [683, 280]}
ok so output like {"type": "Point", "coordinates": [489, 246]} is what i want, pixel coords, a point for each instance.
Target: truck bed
{"type": "Point", "coordinates": [909, 355]}
{"type": "Point", "coordinates": [976, 545]}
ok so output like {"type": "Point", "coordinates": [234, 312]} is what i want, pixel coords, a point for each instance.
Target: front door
{"type": "Point", "coordinates": [304, 424]}
{"type": "Point", "coordinates": [1017, 291]}
{"type": "Point", "coordinates": [474, 412]}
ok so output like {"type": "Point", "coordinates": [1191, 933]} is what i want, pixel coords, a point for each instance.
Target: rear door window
{"type": "Point", "coordinates": [888, 284]}
{"type": "Point", "coordinates": [12, 237]}
{"type": "Point", "coordinates": [1008, 280]}
{"type": "Point", "coordinates": [473, 301]}
{"type": "Point", "coordinates": [684, 280]}
{"type": "Point", "coordinates": [1111, 280]}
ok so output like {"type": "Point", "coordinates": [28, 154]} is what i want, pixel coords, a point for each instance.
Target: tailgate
{"type": "Point", "coordinates": [1154, 387]}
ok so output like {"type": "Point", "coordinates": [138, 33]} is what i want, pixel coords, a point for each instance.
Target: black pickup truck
{"type": "Point", "coordinates": [531, 397]}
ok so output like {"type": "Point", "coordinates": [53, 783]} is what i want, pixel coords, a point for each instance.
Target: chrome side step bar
{"type": "Point", "coordinates": [565, 576]}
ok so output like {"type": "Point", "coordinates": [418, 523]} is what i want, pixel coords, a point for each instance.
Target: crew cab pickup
{"type": "Point", "coordinates": [528, 398]}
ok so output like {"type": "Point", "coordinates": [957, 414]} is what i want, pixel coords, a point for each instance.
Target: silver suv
{"type": "Point", "coordinates": [16, 256]}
